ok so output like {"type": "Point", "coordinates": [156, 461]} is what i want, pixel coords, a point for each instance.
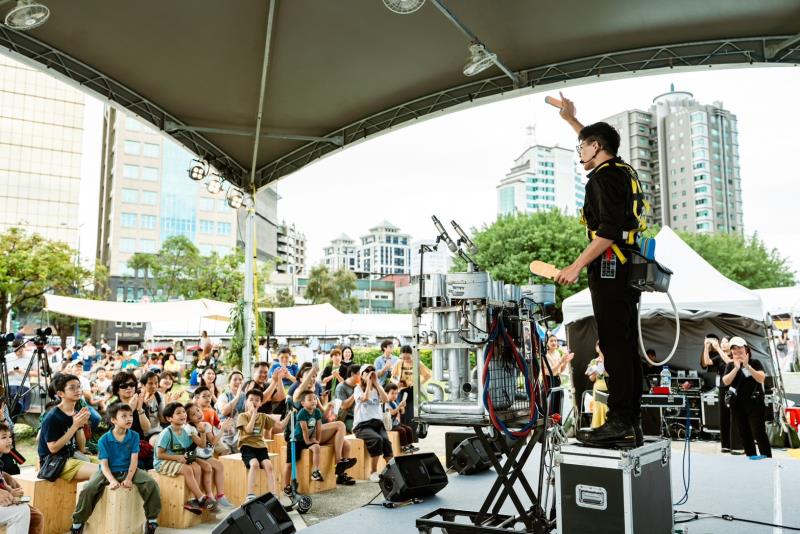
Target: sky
{"type": "Point", "coordinates": [449, 165]}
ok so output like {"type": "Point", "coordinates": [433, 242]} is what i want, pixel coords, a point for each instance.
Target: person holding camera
{"type": "Point", "coordinates": [745, 377]}
{"type": "Point", "coordinates": [714, 358]}
{"type": "Point", "coordinates": [175, 455]}
{"type": "Point", "coordinates": [368, 419]}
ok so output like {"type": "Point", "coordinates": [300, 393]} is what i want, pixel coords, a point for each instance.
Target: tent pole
{"type": "Point", "coordinates": [250, 232]}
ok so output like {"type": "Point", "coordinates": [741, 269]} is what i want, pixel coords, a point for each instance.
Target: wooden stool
{"type": "Point", "coordinates": [236, 478]}
{"type": "Point", "coordinates": [174, 494]}
{"type": "Point", "coordinates": [119, 511]}
{"type": "Point", "coordinates": [357, 451]}
{"type": "Point", "coordinates": [394, 437]}
{"type": "Point", "coordinates": [327, 467]}
{"type": "Point", "coordinates": [277, 441]}
{"type": "Point", "coordinates": [56, 500]}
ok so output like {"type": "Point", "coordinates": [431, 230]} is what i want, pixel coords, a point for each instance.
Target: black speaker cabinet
{"type": "Point", "coordinates": [412, 475]}
{"type": "Point", "coordinates": [470, 457]}
{"type": "Point", "coordinates": [451, 441]}
{"type": "Point", "coordinates": [263, 515]}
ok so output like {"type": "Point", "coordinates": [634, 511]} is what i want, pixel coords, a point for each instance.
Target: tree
{"type": "Point", "coordinates": [217, 277]}
{"type": "Point", "coordinates": [31, 266]}
{"type": "Point", "coordinates": [745, 260]}
{"type": "Point", "coordinates": [507, 247]}
{"type": "Point", "coordinates": [334, 288]}
{"type": "Point", "coordinates": [283, 299]}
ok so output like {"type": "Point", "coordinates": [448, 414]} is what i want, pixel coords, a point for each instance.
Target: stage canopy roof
{"type": "Point", "coordinates": [342, 71]}
{"type": "Point", "coordinates": [138, 312]}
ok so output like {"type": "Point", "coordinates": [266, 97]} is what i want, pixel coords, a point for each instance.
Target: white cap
{"type": "Point", "coordinates": [737, 342]}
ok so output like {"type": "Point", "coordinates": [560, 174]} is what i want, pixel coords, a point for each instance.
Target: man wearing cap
{"type": "Point", "coordinates": [745, 377]}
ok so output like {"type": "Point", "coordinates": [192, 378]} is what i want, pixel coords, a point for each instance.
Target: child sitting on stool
{"type": "Point", "coordinates": [395, 409]}
{"type": "Point", "coordinates": [118, 451]}
{"type": "Point", "coordinates": [253, 427]}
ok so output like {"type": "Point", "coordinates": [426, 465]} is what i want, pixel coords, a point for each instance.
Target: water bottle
{"type": "Point", "coordinates": [666, 377]}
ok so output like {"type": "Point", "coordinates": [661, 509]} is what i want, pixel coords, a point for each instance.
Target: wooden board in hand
{"type": "Point", "coordinates": [545, 270]}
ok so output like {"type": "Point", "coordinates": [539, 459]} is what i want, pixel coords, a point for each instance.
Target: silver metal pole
{"type": "Point", "coordinates": [251, 230]}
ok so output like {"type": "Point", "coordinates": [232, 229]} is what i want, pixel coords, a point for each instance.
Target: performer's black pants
{"type": "Point", "coordinates": [615, 313]}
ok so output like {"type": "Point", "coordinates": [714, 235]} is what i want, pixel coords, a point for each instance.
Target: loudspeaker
{"type": "Point", "coordinates": [412, 475]}
{"type": "Point", "coordinates": [470, 457]}
{"type": "Point", "coordinates": [451, 441]}
{"type": "Point", "coordinates": [263, 515]}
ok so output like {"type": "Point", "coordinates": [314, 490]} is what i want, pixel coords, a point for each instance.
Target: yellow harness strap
{"type": "Point", "coordinates": [638, 198]}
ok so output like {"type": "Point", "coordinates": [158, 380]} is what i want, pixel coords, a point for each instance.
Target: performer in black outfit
{"type": "Point", "coordinates": [612, 212]}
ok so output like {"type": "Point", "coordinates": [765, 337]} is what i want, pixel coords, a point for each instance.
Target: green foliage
{"type": "Point", "coordinates": [283, 299]}
{"type": "Point", "coordinates": [335, 288]}
{"type": "Point", "coordinates": [745, 260]}
{"type": "Point", "coordinates": [236, 327]}
{"type": "Point", "coordinates": [368, 355]}
{"type": "Point", "coordinates": [31, 266]}
{"type": "Point", "coordinates": [508, 246]}
{"type": "Point", "coordinates": [179, 271]}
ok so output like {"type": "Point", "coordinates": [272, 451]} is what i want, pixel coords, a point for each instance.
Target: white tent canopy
{"type": "Point", "coordinates": [325, 320]}
{"type": "Point", "coordinates": [780, 300]}
{"type": "Point", "coordinates": [699, 290]}
{"type": "Point", "coordinates": [138, 312]}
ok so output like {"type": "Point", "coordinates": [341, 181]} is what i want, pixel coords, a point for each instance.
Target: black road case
{"type": "Point", "coordinates": [605, 491]}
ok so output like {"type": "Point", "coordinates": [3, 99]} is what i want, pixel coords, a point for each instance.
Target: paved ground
{"type": "Point", "coordinates": [334, 503]}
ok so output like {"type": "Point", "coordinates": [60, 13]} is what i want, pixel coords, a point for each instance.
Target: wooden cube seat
{"type": "Point", "coordinates": [236, 478]}
{"type": "Point", "coordinates": [56, 500]}
{"type": "Point", "coordinates": [174, 494]}
{"type": "Point", "coordinates": [119, 511]}
{"type": "Point", "coordinates": [327, 467]}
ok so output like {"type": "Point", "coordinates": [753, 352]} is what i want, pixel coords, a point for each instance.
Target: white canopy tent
{"type": "Point", "coordinates": [698, 289]}
{"type": "Point", "coordinates": [138, 312]}
{"type": "Point", "coordinates": [707, 302]}
{"type": "Point", "coordinates": [780, 300]}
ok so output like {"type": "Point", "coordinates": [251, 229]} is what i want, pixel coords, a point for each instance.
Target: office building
{"type": "Point", "coordinates": [542, 178]}
{"type": "Point", "coordinates": [384, 250]}
{"type": "Point", "coordinates": [41, 133]}
{"type": "Point", "coordinates": [291, 250]}
{"type": "Point", "coordinates": [687, 156]}
{"type": "Point", "coordinates": [341, 253]}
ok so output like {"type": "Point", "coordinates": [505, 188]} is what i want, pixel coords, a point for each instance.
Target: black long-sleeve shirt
{"type": "Point", "coordinates": [608, 203]}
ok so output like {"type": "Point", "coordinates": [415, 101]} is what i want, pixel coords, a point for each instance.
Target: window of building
{"type": "Point", "coordinates": [701, 189]}
{"type": "Point", "coordinates": [148, 222]}
{"type": "Point", "coordinates": [147, 245]}
{"type": "Point", "coordinates": [223, 228]}
{"type": "Point", "coordinates": [130, 195]}
{"type": "Point", "coordinates": [132, 124]}
{"type": "Point", "coordinates": [150, 174]}
{"type": "Point", "coordinates": [127, 244]}
{"type": "Point", "coordinates": [130, 171]}
{"type": "Point", "coordinates": [701, 201]}
{"type": "Point", "coordinates": [133, 148]}
{"type": "Point", "coordinates": [120, 294]}
{"type": "Point", "coordinates": [130, 296]}
{"type": "Point", "coordinates": [699, 116]}
{"type": "Point", "coordinates": [700, 153]}
{"type": "Point", "coordinates": [152, 150]}
{"type": "Point", "coordinates": [206, 226]}
{"type": "Point", "coordinates": [149, 198]}
{"type": "Point", "coordinates": [128, 220]}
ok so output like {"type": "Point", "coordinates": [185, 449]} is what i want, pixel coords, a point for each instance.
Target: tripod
{"type": "Point", "coordinates": [13, 404]}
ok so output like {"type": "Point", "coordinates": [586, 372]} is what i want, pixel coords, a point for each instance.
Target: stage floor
{"type": "Point", "coordinates": [765, 490]}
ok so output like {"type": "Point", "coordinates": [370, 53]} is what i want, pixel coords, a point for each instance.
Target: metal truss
{"type": "Point", "coordinates": [687, 55]}
{"type": "Point", "coordinates": [781, 49]}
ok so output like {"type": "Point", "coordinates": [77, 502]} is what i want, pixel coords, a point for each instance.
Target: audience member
{"type": "Point", "coordinates": [284, 365]}
{"type": "Point", "coordinates": [406, 433]}
{"type": "Point", "coordinates": [213, 470]}
{"type": "Point", "coordinates": [19, 518]}
{"type": "Point", "coordinates": [253, 428]}
{"type": "Point", "coordinates": [384, 364]}
{"type": "Point", "coordinates": [596, 371]}
{"type": "Point", "coordinates": [345, 399]}
{"type": "Point", "coordinates": [368, 419]}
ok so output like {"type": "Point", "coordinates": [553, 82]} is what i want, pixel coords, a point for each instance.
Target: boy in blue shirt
{"type": "Point", "coordinates": [118, 451]}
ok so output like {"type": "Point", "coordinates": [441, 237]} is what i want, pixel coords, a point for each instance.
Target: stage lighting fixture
{"type": "Point", "coordinates": [214, 185]}
{"type": "Point", "coordinates": [403, 7]}
{"type": "Point", "coordinates": [27, 15]}
{"type": "Point", "coordinates": [235, 198]}
{"type": "Point", "coordinates": [198, 170]}
{"type": "Point", "coordinates": [479, 60]}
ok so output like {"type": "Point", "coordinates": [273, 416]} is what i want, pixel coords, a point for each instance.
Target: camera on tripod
{"type": "Point", "coordinates": [42, 335]}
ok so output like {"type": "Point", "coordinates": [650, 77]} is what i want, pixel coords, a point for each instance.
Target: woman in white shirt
{"type": "Point", "coordinates": [368, 418]}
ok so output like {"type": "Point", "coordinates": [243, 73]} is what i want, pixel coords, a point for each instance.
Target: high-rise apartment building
{"type": "Point", "coordinates": [41, 131]}
{"type": "Point", "coordinates": [146, 197]}
{"type": "Point", "coordinates": [541, 179]}
{"type": "Point", "coordinates": [341, 253]}
{"type": "Point", "coordinates": [385, 250]}
{"type": "Point", "coordinates": [291, 250]}
{"type": "Point", "coordinates": [687, 156]}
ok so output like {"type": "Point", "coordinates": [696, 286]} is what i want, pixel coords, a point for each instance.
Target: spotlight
{"type": "Point", "coordinates": [235, 198]}
{"type": "Point", "coordinates": [479, 60]}
{"type": "Point", "coordinates": [198, 170]}
{"type": "Point", "coordinates": [214, 185]}
{"type": "Point", "coordinates": [28, 14]}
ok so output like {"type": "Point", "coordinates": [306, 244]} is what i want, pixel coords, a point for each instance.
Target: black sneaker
{"type": "Point", "coordinates": [615, 433]}
{"type": "Point", "coordinates": [317, 476]}
{"type": "Point", "coordinates": [345, 480]}
{"type": "Point", "coordinates": [193, 506]}
{"type": "Point", "coordinates": [209, 504]}
{"type": "Point", "coordinates": [79, 530]}
{"type": "Point", "coordinates": [150, 527]}
{"type": "Point", "coordinates": [344, 464]}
